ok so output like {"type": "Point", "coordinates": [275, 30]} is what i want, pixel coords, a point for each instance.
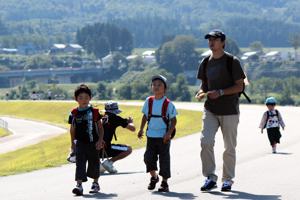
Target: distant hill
{"type": "Point", "coordinates": [269, 21]}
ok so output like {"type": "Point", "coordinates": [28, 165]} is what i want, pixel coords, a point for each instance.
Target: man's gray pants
{"type": "Point", "coordinates": [228, 125]}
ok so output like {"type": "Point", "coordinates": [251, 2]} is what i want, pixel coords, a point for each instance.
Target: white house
{"type": "Point", "coordinates": [73, 48]}
{"type": "Point", "coordinates": [149, 56]}
{"type": "Point", "coordinates": [8, 51]}
{"type": "Point", "coordinates": [272, 56]}
{"type": "Point", "coordinates": [57, 48]}
{"type": "Point", "coordinates": [250, 56]}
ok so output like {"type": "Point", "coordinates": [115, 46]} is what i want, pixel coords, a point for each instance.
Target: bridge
{"type": "Point", "coordinates": [62, 75]}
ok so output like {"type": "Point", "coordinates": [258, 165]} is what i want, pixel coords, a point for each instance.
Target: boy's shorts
{"type": "Point", "coordinates": [114, 150]}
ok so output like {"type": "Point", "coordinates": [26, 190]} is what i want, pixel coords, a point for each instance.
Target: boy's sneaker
{"type": "Point", "coordinates": [78, 190]}
{"type": "Point", "coordinates": [95, 188]}
{"type": "Point", "coordinates": [108, 165]}
{"type": "Point", "coordinates": [226, 187]}
{"type": "Point", "coordinates": [152, 183]}
{"type": "Point", "coordinates": [102, 169]}
{"type": "Point", "coordinates": [208, 185]}
{"type": "Point", "coordinates": [164, 187]}
{"type": "Point", "coordinates": [72, 157]}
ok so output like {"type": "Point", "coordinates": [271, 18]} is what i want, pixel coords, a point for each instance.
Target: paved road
{"type": "Point", "coordinates": [260, 174]}
{"type": "Point", "coordinates": [26, 132]}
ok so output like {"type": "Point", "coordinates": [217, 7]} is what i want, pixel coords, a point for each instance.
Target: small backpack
{"type": "Point", "coordinates": [268, 116]}
{"type": "Point", "coordinates": [229, 68]}
{"type": "Point", "coordinates": [163, 113]}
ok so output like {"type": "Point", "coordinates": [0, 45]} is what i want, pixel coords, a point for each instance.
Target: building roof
{"type": "Point", "coordinates": [148, 53]}
{"type": "Point", "coordinates": [59, 46]}
{"type": "Point", "coordinates": [75, 46]}
{"type": "Point", "coordinates": [272, 53]}
{"type": "Point", "coordinates": [206, 53]}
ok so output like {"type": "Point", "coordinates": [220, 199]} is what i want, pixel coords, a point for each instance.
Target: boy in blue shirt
{"type": "Point", "coordinates": [159, 132]}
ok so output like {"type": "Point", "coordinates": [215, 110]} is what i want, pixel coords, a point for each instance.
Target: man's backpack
{"type": "Point", "coordinates": [229, 68]}
{"type": "Point", "coordinates": [270, 115]}
{"type": "Point", "coordinates": [163, 113]}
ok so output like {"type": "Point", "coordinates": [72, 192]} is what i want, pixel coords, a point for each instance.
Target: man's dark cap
{"type": "Point", "coordinates": [216, 34]}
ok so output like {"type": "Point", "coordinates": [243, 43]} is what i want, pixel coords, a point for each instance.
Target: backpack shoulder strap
{"type": "Point", "coordinates": [96, 114]}
{"type": "Point", "coordinates": [74, 112]}
{"type": "Point", "coordinates": [277, 112]}
{"type": "Point", "coordinates": [229, 64]}
{"type": "Point", "coordinates": [204, 64]}
{"type": "Point", "coordinates": [268, 116]}
{"type": "Point", "coordinates": [150, 105]}
{"type": "Point", "coordinates": [165, 108]}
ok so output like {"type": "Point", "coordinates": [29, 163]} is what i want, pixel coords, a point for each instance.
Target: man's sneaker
{"type": "Point", "coordinates": [208, 185]}
{"type": "Point", "coordinates": [152, 183]}
{"type": "Point", "coordinates": [95, 188]}
{"type": "Point", "coordinates": [108, 165]}
{"type": "Point", "coordinates": [226, 186]}
{"type": "Point", "coordinates": [78, 190]}
{"type": "Point", "coordinates": [102, 169]}
{"type": "Point", "coordinates": [164, 187]}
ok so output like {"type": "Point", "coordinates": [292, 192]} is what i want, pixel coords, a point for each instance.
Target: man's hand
{"type": "Point", "coordinates": [140, 134]}
{"type": "Point", "coordinates": [214, 94]}
{"type": "Point", "coordinates": [200, 95]}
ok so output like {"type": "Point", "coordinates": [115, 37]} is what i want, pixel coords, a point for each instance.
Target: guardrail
{"type": "Point", "coordinates": [3, 124]}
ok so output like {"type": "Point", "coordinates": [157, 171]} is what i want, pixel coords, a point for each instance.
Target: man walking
{"type": "Point", "coordinates": [222, 80]}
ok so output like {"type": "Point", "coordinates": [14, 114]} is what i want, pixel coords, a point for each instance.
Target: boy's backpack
{"type": "Point", "coordinates": [96, 114]}
{"type": "Point", "coordinates": [229, 68]}
{"type": "Point", "coordinates": [270, 115]}
{"type": "Point", "coordinates": [163, 113]}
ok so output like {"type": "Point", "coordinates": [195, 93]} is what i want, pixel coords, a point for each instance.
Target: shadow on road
{"type": "Point", "coordinates": [244, 195]}
{"type": "Point", "coordinates": [283, 153]}
{"type": "Point", "coordinates": [100, 195]}
{"type": "Point", "coordinates": [121, 173]}
{"type": "Point", "coordinates": [177, 195]}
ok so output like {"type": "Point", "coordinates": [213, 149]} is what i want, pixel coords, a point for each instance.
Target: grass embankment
{"type": "Point", "coordinates": [3, 132]}
{"type": "Point", "coordinates": [53, 152]}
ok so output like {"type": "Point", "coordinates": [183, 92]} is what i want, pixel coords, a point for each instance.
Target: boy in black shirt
{"type": "Point", "coordinates": [111, 121]}
{"type": "Point", "coordinates": [86, 138]}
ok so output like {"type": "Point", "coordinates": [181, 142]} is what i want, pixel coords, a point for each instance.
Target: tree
{"type": "Point", "coordinates": [179, 90]}
{"type": "Point", "coordinates": [101, 90]}
{"type": "Point", "coordinates": [256, 46]}
{"type": "Point", "coordinates": [294, 40]}
{"type": "Point", "coordinates": [100, 39]}
{"type": "Point", "coordinates": [232, 47]}
{"type": "Point", "coordinates": [178, 54]}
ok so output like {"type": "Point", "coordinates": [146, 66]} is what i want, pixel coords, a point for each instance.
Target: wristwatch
{"type": "Point", "coordinates": [221, 92]}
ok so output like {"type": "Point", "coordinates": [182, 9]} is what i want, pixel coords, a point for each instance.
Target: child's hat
{"type": "Point", "coordinates": [112, 107]}
{"type": "Point", "coordinates": [159, 77]}
{"type": "Point", "coordinates": [270, 101]}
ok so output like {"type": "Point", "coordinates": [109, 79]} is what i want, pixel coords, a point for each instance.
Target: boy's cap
{"type": "Point", "coordinates": [216, 34]}
{"type": "Point", "coordinates": [160, 77]}
{"type": "Point", "coordinates": [270, 101]}
{"type": "Point", "coordinates": [112, 107]}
